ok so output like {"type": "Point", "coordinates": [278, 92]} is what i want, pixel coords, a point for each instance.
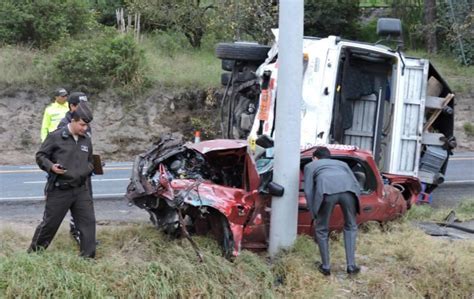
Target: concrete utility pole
{"type": "Point", "coordinates": [284, 214]}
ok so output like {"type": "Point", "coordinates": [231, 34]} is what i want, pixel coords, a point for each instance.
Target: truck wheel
{"type": "Point", "coordinates": [242, 51]}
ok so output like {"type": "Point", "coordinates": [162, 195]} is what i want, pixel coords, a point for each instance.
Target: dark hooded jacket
{"type": "Point", "coordinates": [75, 156]}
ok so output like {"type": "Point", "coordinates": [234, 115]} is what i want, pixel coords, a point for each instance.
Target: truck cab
{"type": "Point", "coordinates": [367, 95]}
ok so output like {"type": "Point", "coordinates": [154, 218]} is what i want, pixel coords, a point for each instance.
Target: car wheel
{"type": "Point", "coordinates": [220, 229]}
{"type": "Point", "coordinates": [242, 51]}
{"type": "Point", "coordinates": [227, 241]}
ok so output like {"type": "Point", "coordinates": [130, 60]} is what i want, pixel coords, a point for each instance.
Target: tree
{"type": "Point", "coordinates": [241, 20]}
{"type": "Point", "coordinates": [430, 23]}
{"type": "Point", "coordinates": [331, 17]}
{"type": "Point", "coordinates": [42, 22]}
{"type": "Point", "coordinates": [190, 17]}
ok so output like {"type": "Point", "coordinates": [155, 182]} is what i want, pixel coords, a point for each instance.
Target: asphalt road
{"type": "Point", "coordinates": [25, 183]}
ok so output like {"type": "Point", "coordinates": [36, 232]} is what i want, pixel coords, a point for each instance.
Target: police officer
{"type": "Point", "coordinates": [54, 113]}
{"type": "Point", "coordinates": [66, 155]}
{"type": "Point", "coordinates": [73, 101]}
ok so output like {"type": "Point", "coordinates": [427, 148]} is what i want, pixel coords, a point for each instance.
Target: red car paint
{"type": "Point", "coordinates": [247, 207]}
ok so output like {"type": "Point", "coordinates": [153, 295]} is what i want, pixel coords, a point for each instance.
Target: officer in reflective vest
{"type": "Point", "coordinates": [54, 113]}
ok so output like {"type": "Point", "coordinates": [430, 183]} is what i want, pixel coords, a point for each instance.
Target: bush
{"type": "Point", "coordinates": [328, 17]}
{"type": "Point", "coordinates": [457, 25]}
{"type": "Point", "coordinates": [368, 32]}
{"type": "Point", "coordinates": [245, 20]}
{"type": "Point", "coordinates": [105, 10]}
{"type": "Point", "coordinates": [42, 22]}
{"type": "Point", "coordinates": [97, 63]}
{"type": "Point", "coordinates": [468, 129]}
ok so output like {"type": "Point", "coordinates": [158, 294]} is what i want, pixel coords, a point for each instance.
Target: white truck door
{"type": "Point", "coordinates": [408, 117]}
{"type": "Point", "coordinates": [318, 90]}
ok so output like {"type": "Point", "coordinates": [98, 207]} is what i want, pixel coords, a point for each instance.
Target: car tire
{"type": "Point", "coordinates": [227, 242]}
{"type": "Point", "coordinates": [242, 51]}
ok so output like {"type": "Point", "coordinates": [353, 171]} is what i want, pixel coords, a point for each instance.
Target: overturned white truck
{"type": "Point", "coordinates": [368, 95]}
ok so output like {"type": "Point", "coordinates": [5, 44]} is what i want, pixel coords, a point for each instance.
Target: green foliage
{"type": "Point", "coordinates": [246, 19]}
{"type": "Point", "coordinates": [174, 63]}
{"type": "Point", "coordinates": [105, 10]}
{"type": "Point", "coordinates": [42, 22]}
{"type": "Point", "coordinates": [466, 208]}
{"type": "Point", "coordinates": [329, 17]}
{"type": "Point", "coordinates": [456, 27]}
{"type": "Point", "coordinates": [190, 17]}
{"type": "Point", "coordinates": [97, 63]}
{"type": "Point", "coordinates": [410, 12]}
{"type": "Point", "coordinates": [374, 3]}
{"type": "Point", "coordinates": [136, 261]}
{"type": "Point", "coordinates": [168, 43]}
{"type": "Point", "coordinates": [368, 32]}
{"type": "Point", "coordinates": [468, 129]}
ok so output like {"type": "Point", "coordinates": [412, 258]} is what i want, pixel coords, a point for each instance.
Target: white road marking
{"type": "Point", "coordinates": [459, 182]}
{"type": "Point", "coordinates": [42, 197]}
{"type": "Point", "coordinates": [107, 180]}
{"type": "Point", "coordinates": [39, 170]}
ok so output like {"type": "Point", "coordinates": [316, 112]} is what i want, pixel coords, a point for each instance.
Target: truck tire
{"type": "Point", "coordinates": [242, 51]}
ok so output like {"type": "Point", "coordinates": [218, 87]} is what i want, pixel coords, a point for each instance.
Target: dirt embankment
{"type": "Point", "coordinates": [121, 128]}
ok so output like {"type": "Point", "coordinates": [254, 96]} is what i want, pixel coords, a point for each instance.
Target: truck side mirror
{"type": "Point", "coordinates": [389, 27]}
{"type": "Point", "coordinates": [264, 141]}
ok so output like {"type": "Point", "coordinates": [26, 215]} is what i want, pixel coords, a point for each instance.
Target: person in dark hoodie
{"type": "Point", "coordinates": [73, 101]}
{"type": "Point", "coordinates": [66, 155]}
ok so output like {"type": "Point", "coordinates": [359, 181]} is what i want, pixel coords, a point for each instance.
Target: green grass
{"type": "Point", "coordinates": [23, 66]}
{"type": "Point", "coordinates": [177, 65]}
{"type": "Point", "coordinates": [170, 62]}
{"type": "Point", "coordinates": [465, 211]}
{"type": "Point", "coordinates": [468, 129]}
{"type": "Point", "coordinates": [135, 261]}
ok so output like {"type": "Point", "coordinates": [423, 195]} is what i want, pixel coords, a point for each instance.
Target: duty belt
{"type": "Point", "coordinates": [64, 186]}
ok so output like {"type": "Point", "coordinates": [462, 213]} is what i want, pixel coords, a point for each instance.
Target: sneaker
{"type": "Point", "coordinates": [353, 269]}
{"type": "Point", "coordinates": [322, 270]}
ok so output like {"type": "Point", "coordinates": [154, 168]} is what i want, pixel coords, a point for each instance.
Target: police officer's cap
{"type": "Point", "coordinates": [60, 92]}
{"type": "Point", "coordinates": [84, 112]}
{"type": "Point", "coordinates": [76, 97]}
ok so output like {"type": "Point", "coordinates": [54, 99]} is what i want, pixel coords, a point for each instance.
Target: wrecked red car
{"type": "Point", "coordinates": [218, 188]}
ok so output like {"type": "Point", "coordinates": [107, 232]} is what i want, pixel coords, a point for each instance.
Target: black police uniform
{"type": "Point", "coordinates": [68, 191]}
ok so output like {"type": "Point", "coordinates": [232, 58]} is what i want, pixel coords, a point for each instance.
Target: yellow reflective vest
{"type": "Point", "coordinates": [51, 118]}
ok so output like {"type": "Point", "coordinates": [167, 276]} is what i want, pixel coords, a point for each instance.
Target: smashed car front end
{"type": "Point", "coordinates": [197, 188]}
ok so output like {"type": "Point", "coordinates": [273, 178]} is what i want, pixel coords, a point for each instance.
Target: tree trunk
{"type": "Point", "coordinates": [430, 25]}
